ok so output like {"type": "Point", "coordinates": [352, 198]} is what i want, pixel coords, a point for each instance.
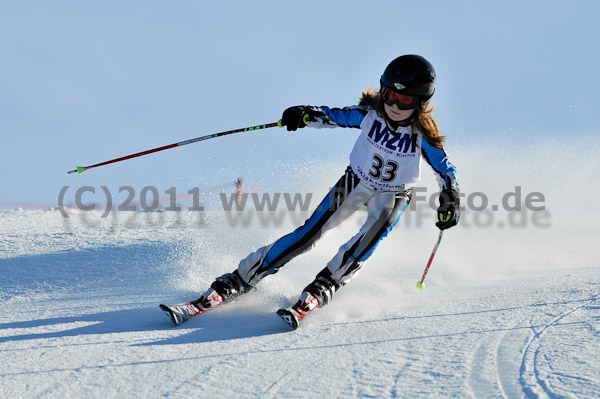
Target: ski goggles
{"type": "Point", "coordinates": [402, 101]}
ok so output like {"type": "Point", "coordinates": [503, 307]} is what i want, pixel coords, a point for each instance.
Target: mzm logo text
{"type": "Point", "coordinates": [403, 143]}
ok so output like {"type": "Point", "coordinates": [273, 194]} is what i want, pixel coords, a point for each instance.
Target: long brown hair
{"type": "Point", "coordinates": [424, 121]}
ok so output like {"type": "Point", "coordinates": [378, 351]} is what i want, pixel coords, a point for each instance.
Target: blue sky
{"type": "Point", "coordinates": [84, 82]}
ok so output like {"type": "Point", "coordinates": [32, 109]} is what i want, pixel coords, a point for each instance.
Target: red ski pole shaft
{"type": "Point", "coordinates": [81, 169]}
{"type": "Point", "coordinates": [437, 244]}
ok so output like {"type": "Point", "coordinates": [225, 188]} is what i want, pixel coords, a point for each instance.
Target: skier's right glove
{"type": "Point", "coordinates": [296, 117]}
{"type": "Point", "coordinates": [449, 209]}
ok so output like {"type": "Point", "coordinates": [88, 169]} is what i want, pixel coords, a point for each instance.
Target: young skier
{"type": "Point", "coordinates": [397, 131]}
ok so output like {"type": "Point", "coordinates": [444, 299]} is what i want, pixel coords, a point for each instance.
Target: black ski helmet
{"type": "Point", "coordinates": [410, 74]}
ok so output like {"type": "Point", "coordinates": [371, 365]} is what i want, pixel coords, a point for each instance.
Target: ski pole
{"type": "Point", "coordinates": [420, 284]}
{"type": "Point", "coordinates": [81, 169]}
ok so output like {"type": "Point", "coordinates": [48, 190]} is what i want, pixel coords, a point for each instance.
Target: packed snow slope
{"type": "Point", "coordinates": [511, 307]}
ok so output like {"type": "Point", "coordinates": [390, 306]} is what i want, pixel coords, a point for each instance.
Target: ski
{"type": "Point", "coordinates": [289, 317]}
{"type": "Point", "coordinates": [292, 315]}
{"type": "Point", "coordinates": [182, 312]}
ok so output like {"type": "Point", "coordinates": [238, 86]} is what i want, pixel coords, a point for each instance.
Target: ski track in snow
{"type": "Point", "coordinates": [82, 320]}
{"type": "Point", "coordinates": [518, 354]}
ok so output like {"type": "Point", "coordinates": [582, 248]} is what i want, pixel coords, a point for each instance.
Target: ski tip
{"type": "Point", "coordinates": [288, 317]}
{"type": "Point", "coordinates": [169, 313]}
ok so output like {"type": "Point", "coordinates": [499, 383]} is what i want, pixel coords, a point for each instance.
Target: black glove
{"type": "Point", "coordinates": [296, 117]}
{"type": "Point", "coordinates": [449, 209]}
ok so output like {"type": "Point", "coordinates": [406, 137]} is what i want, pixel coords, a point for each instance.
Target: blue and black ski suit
{"type": "Point", "coordinates": [384, 166]}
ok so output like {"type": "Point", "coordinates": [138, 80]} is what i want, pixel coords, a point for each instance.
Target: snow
{"type": "Point", "coordinates": [510, 308]}
{"type": "Point", "coordinates": [507, 312]}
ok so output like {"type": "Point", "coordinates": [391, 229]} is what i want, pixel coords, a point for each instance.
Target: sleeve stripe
{"type": "Point", "coordinates": [445, 171]}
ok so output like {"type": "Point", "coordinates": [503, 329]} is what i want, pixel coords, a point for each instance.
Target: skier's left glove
{"type": "Point", "coordinates": [297, 117]}
{"type": "Point", "coordinates": [449, 210]}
